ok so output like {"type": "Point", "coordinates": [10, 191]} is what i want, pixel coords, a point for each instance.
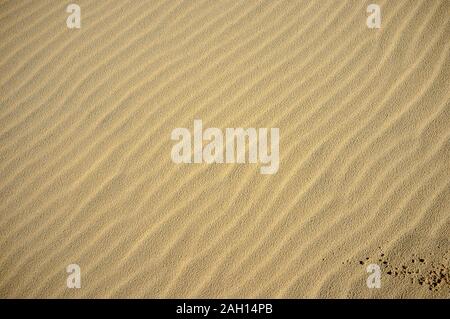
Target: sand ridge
{"type": "Point", "coordinates": [86, 174]}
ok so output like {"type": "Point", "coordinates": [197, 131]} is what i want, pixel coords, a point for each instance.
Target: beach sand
{"type": "Point", "coordinates": [86, 175]}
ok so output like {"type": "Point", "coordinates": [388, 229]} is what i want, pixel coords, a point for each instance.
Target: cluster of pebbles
{"type": "Point", "coordinates": [434, 275]}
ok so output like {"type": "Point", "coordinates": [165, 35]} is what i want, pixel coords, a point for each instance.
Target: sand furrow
{"type": "Point", "coordinates": [86, 174]}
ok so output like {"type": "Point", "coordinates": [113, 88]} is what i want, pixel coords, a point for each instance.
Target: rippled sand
{"type": "Point", "coordinates": [86, 175]}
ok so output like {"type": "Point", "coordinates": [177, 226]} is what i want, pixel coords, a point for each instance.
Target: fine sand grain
{"type": "Point", "coordinates": [86, 175]}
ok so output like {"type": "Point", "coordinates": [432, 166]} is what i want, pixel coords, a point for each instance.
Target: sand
{"type": "Point", "coordinates": [86, 175]}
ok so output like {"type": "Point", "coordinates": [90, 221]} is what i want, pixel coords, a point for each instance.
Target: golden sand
{"type": "Point", "coordinates": [86, 176]}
